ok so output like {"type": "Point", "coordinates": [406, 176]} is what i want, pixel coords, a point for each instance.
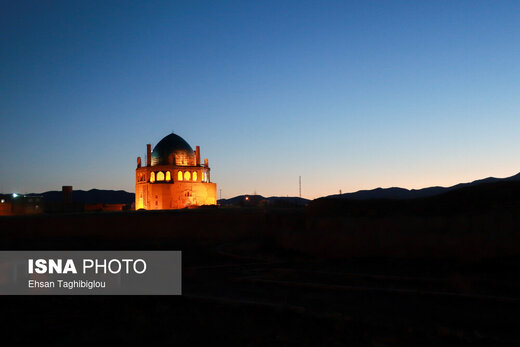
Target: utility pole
{"type": "Point", "coordinates": [300, 185]}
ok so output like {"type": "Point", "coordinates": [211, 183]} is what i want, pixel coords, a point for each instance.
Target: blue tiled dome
{"type": "Point", "coordinates": [173, 148]}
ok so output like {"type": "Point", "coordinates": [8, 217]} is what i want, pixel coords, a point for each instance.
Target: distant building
{"type": "Point", "coordinates": [14, 204]}
{"type": "Point", "coordinates": [66, 202]}
{"type": "Point", "coordinates": [173, 177]}
{"type": "Point", "coordinates": [104, 207]}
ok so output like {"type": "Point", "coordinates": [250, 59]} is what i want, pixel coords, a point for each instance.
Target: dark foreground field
{"type": "Point", "coordinates": [441, 271]}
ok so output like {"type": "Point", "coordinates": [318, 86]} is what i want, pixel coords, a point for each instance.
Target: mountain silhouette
{"type": "Point", "coordinates": [287, 201]}
{"type": "Point", "coordinates": [99, 196]}
{"type": "Point", "coordinates": [402, 193]}
{"type": "Point", "coordinates": [93, 196]}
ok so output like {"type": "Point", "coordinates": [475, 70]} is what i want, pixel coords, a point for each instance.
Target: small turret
{"type": "Point", "coordinates": [148, 155]}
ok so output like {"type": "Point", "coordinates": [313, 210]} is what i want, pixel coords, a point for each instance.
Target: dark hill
{"type": "Point", "coordinates": [479, 196]}
{"type": "Point", "coordinates": [255, 200]}
{"type": "Point", "coordinates": [93, 196]}
{"type": "Point", "coordinates": [402, 193]}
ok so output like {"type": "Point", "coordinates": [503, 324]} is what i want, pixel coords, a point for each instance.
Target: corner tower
{"type": "Point", "coordinates": [173, 177]}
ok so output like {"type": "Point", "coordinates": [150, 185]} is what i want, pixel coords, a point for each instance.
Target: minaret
{"type": "Point", "coordinates": [148, 155]}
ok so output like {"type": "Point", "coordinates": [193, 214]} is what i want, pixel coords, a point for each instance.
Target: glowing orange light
{"type": "Point", "coordinates": [247, 197]}
{"type": "Point", "coordinates": [152, 177]}
{"type": "Point", "coordinates": [179, 176]}
{"type": "Point", "coordinates": [187, 176]}
{"type": "Point", "coordinates": [194, 175]}
{"type": "Point", "coordinates": [168, 176]}
{"type": "Point", "coordinates": [160, 176]}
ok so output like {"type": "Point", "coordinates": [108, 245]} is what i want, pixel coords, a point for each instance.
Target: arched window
{"type": "Point", "coordinates": [195, 175]}
{"type": "Point", "coordinates": [168, 176]}
{"type": "Point", "coordinates": [160, 176]}
{"type": "Point", "coordinates": [187, 176]}
{"type": "Point", "coordinates": [203, 177]}
{"type": "Point", "coordinates": [152, 177]}
{"type": "Point", "coordinates": [179, 176]}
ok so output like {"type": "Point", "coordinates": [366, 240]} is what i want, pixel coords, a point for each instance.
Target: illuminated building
{"type": "Point", "coordinates": [173, 177]}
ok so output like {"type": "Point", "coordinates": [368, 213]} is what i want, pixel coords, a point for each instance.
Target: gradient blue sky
{"type": "Point", "coordinates": [349, 95]}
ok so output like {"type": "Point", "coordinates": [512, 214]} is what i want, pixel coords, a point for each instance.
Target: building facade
{"type": "Point", "coordinates": [173, 177]}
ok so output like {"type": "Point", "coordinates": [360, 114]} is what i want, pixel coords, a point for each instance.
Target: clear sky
{"type": "Point", "coordinates": [348, 94]}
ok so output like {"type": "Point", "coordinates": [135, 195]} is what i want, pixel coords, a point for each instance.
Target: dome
{"type": "Point", "coordinates": [173, 150]}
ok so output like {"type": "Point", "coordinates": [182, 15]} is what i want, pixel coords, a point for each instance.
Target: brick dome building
{"type": "Point", "coordinates": [173, 177]}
